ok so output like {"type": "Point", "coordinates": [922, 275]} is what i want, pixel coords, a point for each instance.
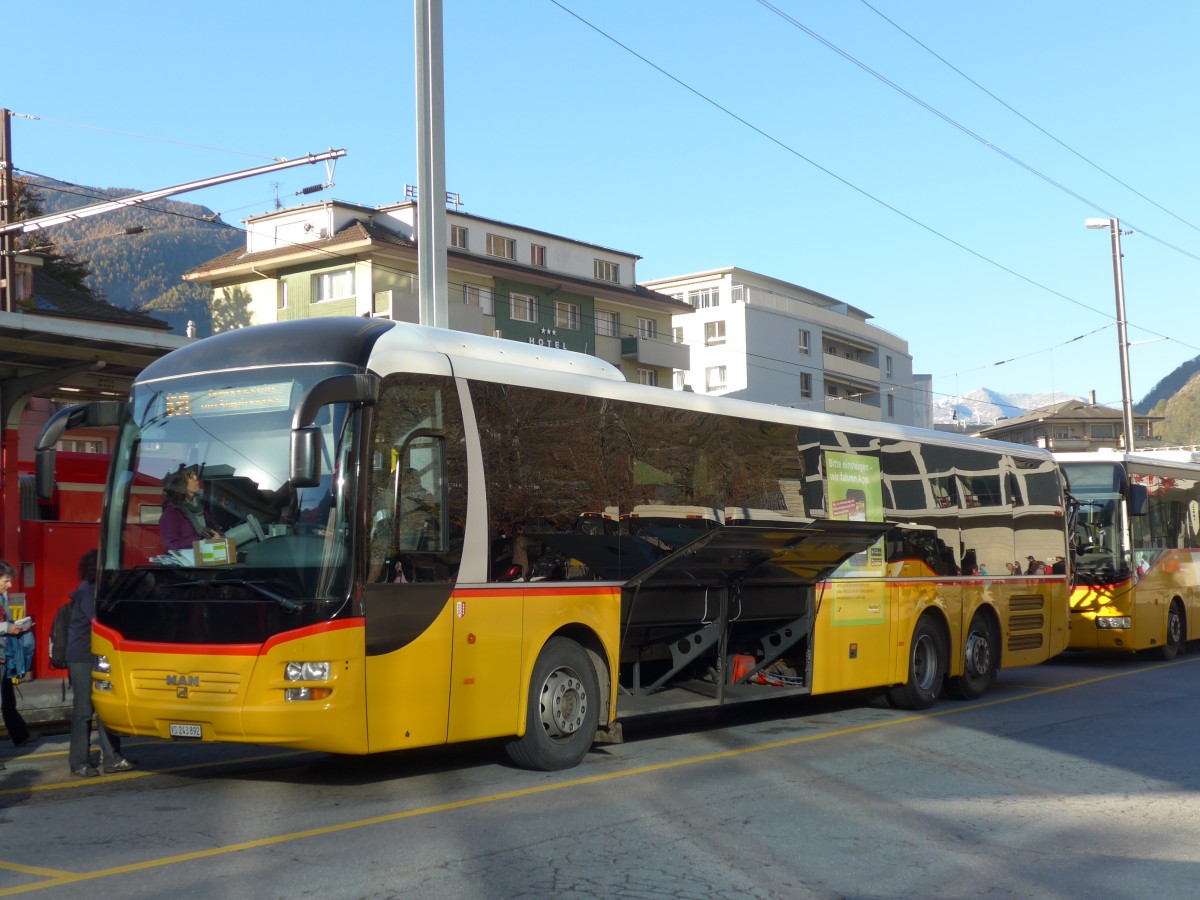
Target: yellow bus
{"type": "Point", "coordinates": [1136, 543]}
{"type": "Point", "coordinates": [410, 552]}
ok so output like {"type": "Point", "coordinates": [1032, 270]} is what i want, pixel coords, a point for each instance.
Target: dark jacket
{"type": "Point", "coordinates": [79, 631]}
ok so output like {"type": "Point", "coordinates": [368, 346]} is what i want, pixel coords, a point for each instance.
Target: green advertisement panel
{"type": "Point", "coordinates": [855, 494]}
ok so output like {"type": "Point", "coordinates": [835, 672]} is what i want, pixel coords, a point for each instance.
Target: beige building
{"type": "Point", "coordinates": [335, 258]}
{"type": "Point", "coordinates": [1074, 425]}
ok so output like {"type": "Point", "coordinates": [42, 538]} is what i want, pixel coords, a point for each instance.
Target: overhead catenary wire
{"type": "Point", "coordinates": [991, 145]}
{"type": "Point", "coordinates": [862, 191]}
{"type": "Point", "coordinates": [1028, 120]}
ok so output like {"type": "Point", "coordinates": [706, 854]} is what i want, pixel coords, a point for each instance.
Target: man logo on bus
{"type": "Point", "coordinates": [183, 680]}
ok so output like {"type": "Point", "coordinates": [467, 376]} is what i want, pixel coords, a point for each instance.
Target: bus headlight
{"type": "Point", "coordinates": [306, 671]}
{"type": "Point", "coordinates": [102, 665]}
{"type": "Point", "coordinates": [1124, 622]}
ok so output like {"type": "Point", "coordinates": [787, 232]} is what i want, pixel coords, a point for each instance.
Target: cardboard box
{"type": "Point", "coordinates": [219, 552]}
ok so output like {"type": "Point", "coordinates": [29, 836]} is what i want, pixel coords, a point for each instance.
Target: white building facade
{"type": "Point", "coordinates": [759, 338]}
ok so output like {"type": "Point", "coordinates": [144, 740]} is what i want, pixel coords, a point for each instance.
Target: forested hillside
{"type": "Point", "coordinates": [1181, 423]}
{"type": "Point", "coordinates": [1169, 386]}
{"type": "Point", "coordinates": [142, 270]}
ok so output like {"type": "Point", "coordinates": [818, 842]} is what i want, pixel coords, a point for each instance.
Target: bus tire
{"type": "Point", "coordinates": [926, 668]}
{"type": "Point", "coordinates": [1170, 648]}
{"type": "Point", "coordinates": [981, 659]}
{"type": "Point", "coordinates": [564, 709]}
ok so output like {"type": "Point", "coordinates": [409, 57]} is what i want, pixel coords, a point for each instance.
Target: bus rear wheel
{"type": "Point", "coordinates": [1170, 648]}
{"type": "Point", "coordinates": [980, 660]}
{"type": "Point", "coordinates": [926, 668]}
{"type": "Point", "coordinates": [564, 709]}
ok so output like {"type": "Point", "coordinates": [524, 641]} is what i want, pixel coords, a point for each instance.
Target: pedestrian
{"type": "Point", "coordinates": [79, 667]}
{"type": "Point", "coordinates": [18, 731]}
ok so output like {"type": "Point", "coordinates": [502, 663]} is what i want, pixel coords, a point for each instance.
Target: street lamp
{"type": "Point", "coordinates": [1114, 227]}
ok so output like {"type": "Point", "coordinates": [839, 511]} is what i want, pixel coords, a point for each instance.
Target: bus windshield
{"type": "Point", "coordinates": [238, 550]}
{"type": "Point", "coordinates": [1101, 547]}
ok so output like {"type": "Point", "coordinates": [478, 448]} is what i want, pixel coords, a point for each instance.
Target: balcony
{"type": "Point", "coordinates": [839, 365]}
{"type": "Point", "coordinates": [656, 352]}
{"type": "Point", "coordinates": [841, 406]}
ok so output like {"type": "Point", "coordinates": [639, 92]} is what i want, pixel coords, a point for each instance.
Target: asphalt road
{"type": "Point", "coordinates": [1077, 778]}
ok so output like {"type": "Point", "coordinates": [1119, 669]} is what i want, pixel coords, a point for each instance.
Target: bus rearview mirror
{"type": "Point", "coordinates": [306, 456]}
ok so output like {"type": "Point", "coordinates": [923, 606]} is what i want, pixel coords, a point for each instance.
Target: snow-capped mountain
{"type": "Point", "coordinates": [984, 407]}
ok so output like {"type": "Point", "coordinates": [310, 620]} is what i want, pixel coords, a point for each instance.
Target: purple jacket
{"type": "Point", "coordinates": [176, 530]}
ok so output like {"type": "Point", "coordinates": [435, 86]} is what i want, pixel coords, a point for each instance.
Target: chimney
{"type": "Point", "coordinates": [1092, 397]}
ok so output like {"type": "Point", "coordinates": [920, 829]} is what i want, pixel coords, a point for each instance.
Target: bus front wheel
{"type": "Point", "coordinates": [926, 668]}
{"type": "Point", "coordinates": [980, 660]}
{"type": "Point", "coordinates": [564, 709]}
{"type": "Point", "coordinates": [1170, 648]}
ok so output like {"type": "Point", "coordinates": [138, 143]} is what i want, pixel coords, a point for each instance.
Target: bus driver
{"type": "Point", "coordinates": [184, 519]}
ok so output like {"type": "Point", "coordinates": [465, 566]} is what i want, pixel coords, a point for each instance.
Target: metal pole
{"type": "Point", "coordinates": [1122, 336]}
{"type": "Point", "coordinates": [8, 212]}
{"type": "Point", "coordinates": [433, 293]}
{"type": "Point", "coordinates": [82, 212]}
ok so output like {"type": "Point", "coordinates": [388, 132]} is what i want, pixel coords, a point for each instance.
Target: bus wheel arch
{"type": "Point", "coordinates": [981, 657]}
{"type": "Point", "coordinates": [1176, 630]}
{"type": "Point", "coordinates": [928, 657]}
{"type": "Point", "coordinates": [563, 708]}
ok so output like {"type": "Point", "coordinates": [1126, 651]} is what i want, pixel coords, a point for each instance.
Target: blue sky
{"type": "Point", "coordinates": [719, 134]}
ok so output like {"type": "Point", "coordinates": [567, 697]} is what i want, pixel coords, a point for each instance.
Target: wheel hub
{"type": "Point", "coordinates": [979, 654]}
{"type": "Point", "coordinates": [563, 704]}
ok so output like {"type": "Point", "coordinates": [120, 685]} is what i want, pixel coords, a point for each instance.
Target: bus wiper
{"type": "Point", "coordinates": [287, 603]}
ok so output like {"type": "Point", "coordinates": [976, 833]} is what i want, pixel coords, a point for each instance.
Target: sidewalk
{"type": "Point", "coordinates": [43, 706]}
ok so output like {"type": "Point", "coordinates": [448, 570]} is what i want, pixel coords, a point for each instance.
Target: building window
{"type": "Point", "coordinates": [537, 255]}
{"type": "Point", "coordinates": [677, 334]}
{"type": "Point", "coordinates": [806, 384]}
{"type": "Point", "coordinates": [522, 308]}
{"type": "Point", "coordinates": [648, 329]}
{"type": "Point", "coordinates": [891, 406]}
{"type": "Point", "coordinates": [888, 368]}
{"type": "Point", "coordinates": [608, 324]}
{"type": "Point", "coordinates": [648, 376]}
{"type": "Point", "coordinates": [566, 315]}
{"type": "Point", "coordinates": [736, 294]}
{"type": "Point", "coordinates": [704, 298]}
{"type": "Point", "coordinates": [281, 300]}
{"type": "Point", "coordinates": [714, 332]}
{"type": "Point", "coordinates": [474, 295]}
{"type": "Point", "coordinates": [679, 375]}
{"type": "Point", "coordinates": [805, 341]}
{"type": "Point", "coordinates": [458, 237]}
{"type": "Point", "coordinates": [714, 378]}
{"type": "Point", "coordinates": [501, 246]}
{"type": "Point", "coordinates": [337, 285]}
{"type": "Point", "coordinates": [606, 271]}
{"type": "Point", "coordinates": [81, 446]}
{"type": "Point", "coordinates": [1104, 432]}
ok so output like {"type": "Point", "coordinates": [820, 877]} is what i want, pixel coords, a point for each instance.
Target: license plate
{"type": "Point", "coordinates": [178, 730]}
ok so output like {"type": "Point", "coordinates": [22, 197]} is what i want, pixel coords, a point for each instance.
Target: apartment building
{"type": "Point", "coordinates": [763, 339]}
{"type": "Point", "coordinates": [518, 283]}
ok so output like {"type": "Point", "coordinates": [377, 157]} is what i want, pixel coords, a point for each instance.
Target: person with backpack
{"type": "Point", "coordinates": [14, 722]}
{"type": "Point", "coordinates": [79, 668]}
